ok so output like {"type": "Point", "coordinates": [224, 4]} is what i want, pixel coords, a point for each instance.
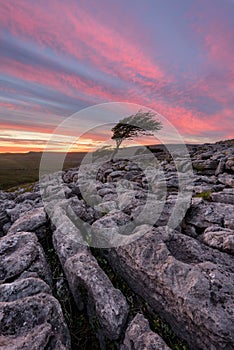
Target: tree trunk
{"type": "Point", "coordinates": [115, 152]}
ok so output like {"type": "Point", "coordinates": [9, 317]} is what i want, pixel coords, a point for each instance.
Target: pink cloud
{"type": "Point", "coordinates": [214, 33]}
{"type": "Point", "coordinates": [73, 32]}
{"type": "Point", "coordinates": [17, 127]}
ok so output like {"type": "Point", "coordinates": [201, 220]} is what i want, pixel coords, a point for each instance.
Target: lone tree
{"type": "Point", "coordinates": [141, 123]}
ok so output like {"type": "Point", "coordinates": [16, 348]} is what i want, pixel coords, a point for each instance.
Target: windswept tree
{"type": "Point", "coordinates": [141, 123]}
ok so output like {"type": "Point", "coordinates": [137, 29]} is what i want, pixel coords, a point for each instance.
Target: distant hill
{"type": "Point", "coordinates": [21, 168]}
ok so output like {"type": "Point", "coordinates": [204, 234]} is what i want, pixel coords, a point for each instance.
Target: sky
{"type": "Point", "coordinates": [59, 57]}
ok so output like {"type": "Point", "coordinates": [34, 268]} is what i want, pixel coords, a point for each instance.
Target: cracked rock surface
{"type": "Point", "coordinates": [182, 279]}
{"type": "Point", "coordinates": [31, 318]}
{"type": "Point", "coordinates": [139, 336]}
{"type": "Point", "coordinates": [183, 273]}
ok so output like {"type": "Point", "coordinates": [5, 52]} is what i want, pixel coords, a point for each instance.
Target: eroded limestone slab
{"type": "Point", "coordinates": [188, 284]}
{"type": "Point", "coordinates": [139, 336]}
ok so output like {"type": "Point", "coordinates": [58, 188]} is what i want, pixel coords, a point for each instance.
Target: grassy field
{"type": "Point", "coordinates": [23, 168]}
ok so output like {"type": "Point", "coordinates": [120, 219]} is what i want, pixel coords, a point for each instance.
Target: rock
{"type": "Point", "coordinates": [110, 197]}
{"type": "Point", "coordinates": [172, 181]}
{"type": "Point", "coordinates": [75, 190]}
{"type": "Point", "coordinates": [206, 167]}
{"type": "Point", "coordinates": [29, 221]}
{"type": "Point", "coordinates": [127, 200]}
{"type": "Point", "coordinates": [131, 167]}
{"type": "Point", "coordinates": [110, 230]}
{"type": "Point", "coordinates": [68, 241]}
{"type": "Point", "coordinates": [82, 270]}
{"type": "Point", "coordinates": [34, 322]}
{"type": "Point", "coordinates": [5, 205]}
{"type": "Point", "coordinates": [70, 175]}
{"type": "Point", "coordinates": [206, 155]}
{"type": "Point", "coordinates": [27, 196]}
{"type": "Point", "coordinates": [21, 256]}
{"type": "Point", "coordinates": [187, 281]}
{"type": "Point", "coordinates": [220, 168]}
{"type": "Point", "coordinates": [3, 195]}
{"type": "Point", "coordinates": [114, 217]}
{"type": "Point", "coordinates": [120, 169]}
{"type": "Point", "coordinates": [115, 175]}
{"type": "Point", "coordinates": [6, 227]}
{"type": "Point", "coordinates": [77, 208]}
{"type": "Point", "coordinates": [219, 238]}
{"type": "Point", "coordinates": [56, 191]}
{"type": "Point", "coordinates": [17, 210]}
{"type": "Point", "coordinates": [203, 214]}
{"type": "Point", "coordinates": [4, 218]}
{"type": "Point", "coordinates": [22, 288]}
{"type": "Point", "coordinates": [150, 214]}
{"type": "Point", "coordinates": [30, 317]}
{"type": "Point", "coordinates": [188, 284]}
{"type": "Point", "coordinates": [109, 305]}
{"type": "Point", "coordinates": [190, 230]}
{"type": "Point", "coordinates": [166, 211]}
{"type": "Point", "coordinates": [201, 179]}
{"type": "Point", "coordinates": [229, 165]}
{"type": "Point", "coordinates": [107, 172]}
{"type": "Point", "coordinates": [106, 207]}
{"type": "Point", "coordinates": [226, 196]}
{"type": "Point", "coordinates": [36, 338]}
{"type": "Point", "coordinates": [226, 179]}
{"type": "Point", "coordinates": [139, 336]}
{"type": "Point", "coordinates": [106, 190]}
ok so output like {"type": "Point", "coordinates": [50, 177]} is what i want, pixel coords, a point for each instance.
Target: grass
{"type": "Point", "coordinates": [198, 167]}
{"type": "Point", "coordinates": [28, 187]}
{"type": "Point", "coordinates": [206, 195]}
{"type": "Point", "coordinates": [17, 169]}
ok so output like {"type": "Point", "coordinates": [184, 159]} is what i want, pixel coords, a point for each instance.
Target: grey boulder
{"type": "Point", "coordinates": [219, 238]}
{"type": "Point", "coordinates": [108, 304]}
{"type": "Point", "coordinates": [139, 336]}
{"type": "Point", "coordinates": [29, 221]}
{"type": "Point", "coordinates": [34, 322]}
{"type": "Point", "coordinates": [188, 284]}
{"type": "Point", "coordinates": [21, 256]}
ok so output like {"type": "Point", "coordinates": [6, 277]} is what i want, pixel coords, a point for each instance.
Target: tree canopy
{"type": "Point", "coordinates": [141, 123]}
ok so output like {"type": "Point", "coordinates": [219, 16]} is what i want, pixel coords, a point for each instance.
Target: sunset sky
{"type": "Point", "coordinates": [58, 57]}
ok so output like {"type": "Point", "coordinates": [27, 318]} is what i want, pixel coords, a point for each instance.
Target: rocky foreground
{"type": "Point", "coordinates": [172, 286]}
